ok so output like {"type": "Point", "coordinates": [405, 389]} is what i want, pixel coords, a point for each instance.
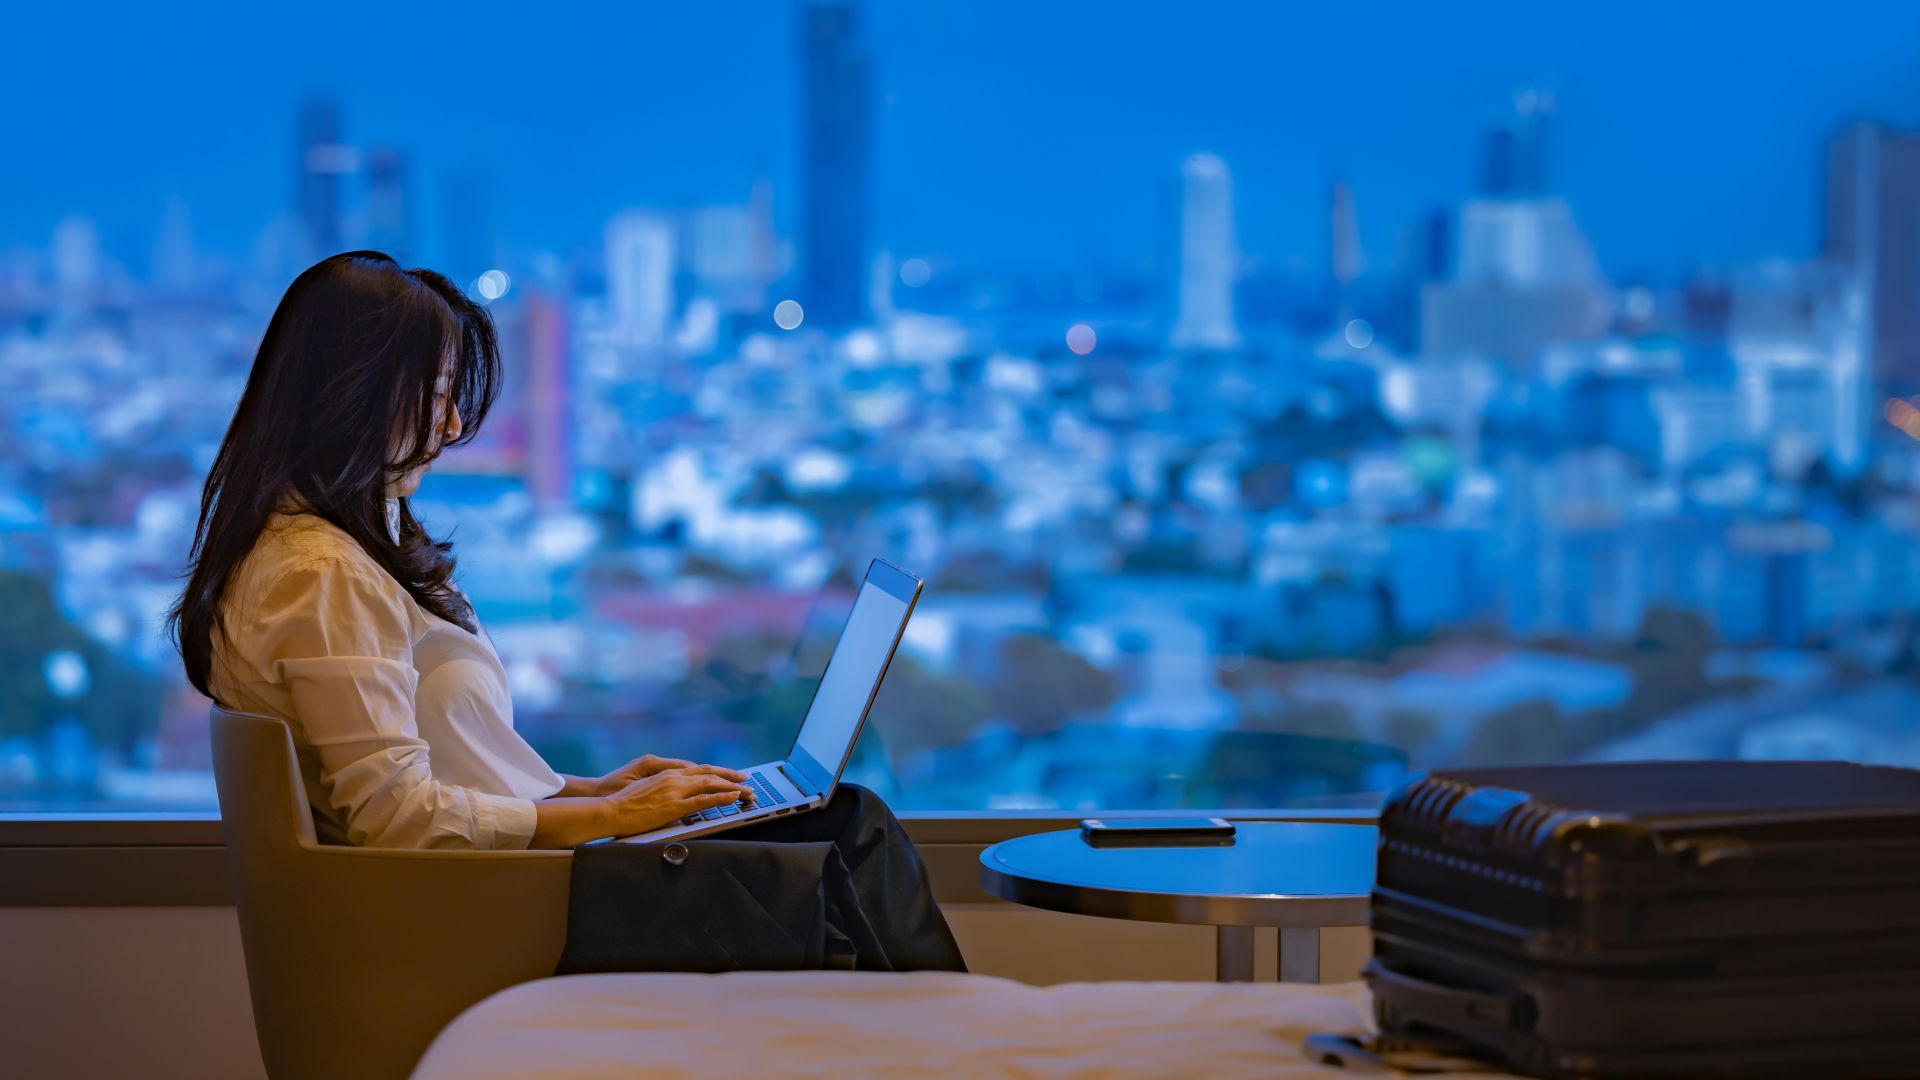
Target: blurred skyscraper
{"type": "Point", "coordinates": [324, 162]}
{"type": "Point", "coordinates": [550, 421]}
{"type": "Point", "coordinates": [1345, 261]}
{"type": "Point", "coordinates": [468, 244]}
{"type": "Point", "coordinates": [1797, 338]}
{"type": "Point", "coordinates": [1524, 273]}
{"type": "Point", "coordinates": [1436, 246]}
{"type": "Point", "coordinates": [1873, 232]}
{"type": "Point", "coordinates": [1531, 242]}
{"type": "Point", "coordinates": [726, 255]}
{"type": "Point", "coordinates": [1204, 313]}
{"type": "Point", "coordinates": [836, 127]}
{"type": "Point", "coordinates": [389, 202]}
{"type": "Point", "coordinates": [76, 265]}
{"type": "Point", "coordinates": [767, 257]}
{"type": "Point", "coordinates": [1514, 157]}
{"type": "Point", "coordinates": [640, 270]}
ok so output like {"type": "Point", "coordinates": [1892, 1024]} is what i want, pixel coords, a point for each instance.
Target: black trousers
{"type": "Point", "coordinates": [887, 873]}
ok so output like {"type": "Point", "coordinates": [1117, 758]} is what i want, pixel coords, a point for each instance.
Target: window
{"type": "Point", "coordinates": [1276, 399]}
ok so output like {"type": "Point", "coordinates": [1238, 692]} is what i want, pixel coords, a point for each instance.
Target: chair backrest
{"type": "Point", "coordinates": [357, 957]}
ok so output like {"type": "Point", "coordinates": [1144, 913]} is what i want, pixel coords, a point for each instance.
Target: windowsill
{"type": "Point", "coordinates": [179, 860]}
{"type": "Point", "coordinates": [109, 830]}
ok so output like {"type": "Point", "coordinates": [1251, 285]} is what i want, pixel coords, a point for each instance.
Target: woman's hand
{"type": "Point", "coordinates": [666, 796]}
{"type": "Point", "coordinates": [644, 766]}
{"type": "Point", "coordinates": [644, 794]}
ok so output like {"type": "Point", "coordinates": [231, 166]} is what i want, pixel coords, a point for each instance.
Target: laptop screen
{"type": "Point", "coordinates": [853, 673]}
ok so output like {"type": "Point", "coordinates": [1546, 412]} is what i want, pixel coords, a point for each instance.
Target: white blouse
{"type": "Point", "coordinates": [401, 720]}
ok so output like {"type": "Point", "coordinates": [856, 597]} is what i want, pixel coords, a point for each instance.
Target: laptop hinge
{"type": "Point", "coordinates": [798, 780]}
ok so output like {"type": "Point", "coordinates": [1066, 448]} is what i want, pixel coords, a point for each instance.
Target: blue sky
{"type": "Point", "coordinates": [1010, 134]}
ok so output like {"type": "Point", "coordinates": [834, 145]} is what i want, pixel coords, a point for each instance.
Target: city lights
{"type": "Point", "coordinates": [1080, 338]}
{"type": "Point", "coordinates": [1414, 439]}
{"type": "Point", "coordinates": [66, 673]}
{"type": "Point", "coordinates": [492, 285]}
{"type": "Point", "coordinates": [864, 348]}
{"type": "Point", "coordinates": [1902, 414]}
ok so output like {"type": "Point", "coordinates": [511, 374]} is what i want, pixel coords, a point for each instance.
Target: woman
{"type": "Point", "coordinates": [317, 597]}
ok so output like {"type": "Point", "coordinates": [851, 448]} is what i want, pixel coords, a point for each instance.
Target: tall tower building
{"type": "Point", "coordinates": [1514, 159]}
{"type": "Point", "coordinates": [1204, 298]}
{"type": "Point", "coordinates": [1524, 274]}
{"type": "Point", "coordinates": [766, 257]}
{"type": "Point", "coordinates": [76, 264]}
{"type": "Point", "coordinates": [389, 202]}
{"type": "Point", "coordinates": [468, 244]}
{"type": "Point", "coordinates": [836, 128]}
{"type": "Point", "coordinates": [722, 257]}
{"type": "Point", "coordinates": [1345, 260]}
{"type": "Point", "coordinates": [640, 269]}
{"type": "Point", "coordinates": [1436, 246]}
{"type": "Point", "coordinates": [549, 461]}
{"type": "Point", "coordinates": [1530, 242]}
{"type": "Point", "coordinates": [323, 164]}
{"type": "Point", "coordinates": [1873, 233]}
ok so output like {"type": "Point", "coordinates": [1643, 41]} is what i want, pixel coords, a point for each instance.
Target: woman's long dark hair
{"type": "Point", "coordinates": [346, 371]}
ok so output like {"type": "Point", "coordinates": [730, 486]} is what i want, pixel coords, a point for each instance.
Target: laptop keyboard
{"type": "Point", "coordinates": [765, 794]}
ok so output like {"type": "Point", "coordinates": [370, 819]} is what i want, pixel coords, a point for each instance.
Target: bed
{"type": "Point", "coordinates": [851, 1024]}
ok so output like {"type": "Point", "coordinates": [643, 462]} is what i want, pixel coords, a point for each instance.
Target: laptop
{"type": "Point", "coordinates": [804, 780]}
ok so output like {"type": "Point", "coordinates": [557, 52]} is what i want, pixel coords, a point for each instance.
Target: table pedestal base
{"type": "Point", "coordinates": [1300, 954]}
{"type": "Point", "coordinates": [1298, 961]}
{"type": "Point", "coordinates": [1235, 954]}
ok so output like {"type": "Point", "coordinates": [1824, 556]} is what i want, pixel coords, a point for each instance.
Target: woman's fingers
{"type": "Point", "coordinates": [717, 798]}
{"type": "Point", "coordinates": [734, 775]}
{"type": "Point", "coordinates": [694, 780]}
{"type": "Point", "coordinates": [653, 763]}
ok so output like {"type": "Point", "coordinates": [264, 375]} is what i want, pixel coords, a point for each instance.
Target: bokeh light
{"type": "Point", "coordinates": [1902, 414]}
{"type": "Point", "coordinates": [492, 285]}
{"type": "Point", "coordinates": [915, 273]}
{"type": "Point", "coordinates": [1080, 338]}
{"type": "Point", "coordinates": [1359, 333]}
{"type": "Point", "coordinates": [66, 673]}
{"type": "Point", "coordinates": [864, 348]}
{"type": "Point", "coordinates": [788, 314]}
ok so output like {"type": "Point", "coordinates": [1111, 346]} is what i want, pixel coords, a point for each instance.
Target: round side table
{"type": "Point", "coordinates": [1297, 876]}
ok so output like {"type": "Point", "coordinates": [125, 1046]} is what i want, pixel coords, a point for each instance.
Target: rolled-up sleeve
{"type": "Point", "coordinates": [341, 644]}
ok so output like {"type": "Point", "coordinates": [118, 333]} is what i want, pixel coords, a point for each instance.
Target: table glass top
{"type": "Point", "coordinates": [1265, 859]}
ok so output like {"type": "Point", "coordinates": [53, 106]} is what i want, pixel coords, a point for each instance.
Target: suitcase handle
{"type": "Point", "coordinates": [1507, 1012]}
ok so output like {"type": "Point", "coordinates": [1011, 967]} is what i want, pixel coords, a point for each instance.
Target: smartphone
{"type": "Point", "coordinates": [1157, 832]}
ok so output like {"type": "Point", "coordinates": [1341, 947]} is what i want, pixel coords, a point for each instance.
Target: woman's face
{"type": "Point", "coordinates": [446, 428]}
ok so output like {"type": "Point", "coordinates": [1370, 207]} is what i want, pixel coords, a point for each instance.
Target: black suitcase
{"type": "Point", "coordinates": [1752, 918]}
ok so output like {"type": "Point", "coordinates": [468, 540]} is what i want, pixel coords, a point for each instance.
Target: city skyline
{"type": "Point", "coordinates": [1474, 497]}
{"type": "Point", "coordinates": [1657, 221]}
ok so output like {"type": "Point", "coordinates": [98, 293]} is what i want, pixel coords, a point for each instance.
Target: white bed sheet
{"type": "Point", "coordinates": [855, 1024]}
